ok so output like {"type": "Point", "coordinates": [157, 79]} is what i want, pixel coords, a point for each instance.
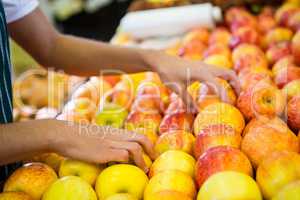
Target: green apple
{"type": "Point", "coordinates": [121, 178]}
{"type": "Point", "coordinates": [229, 185]}
{"type": "Point", "coordinates": [70, 188]}
{"type": "Point", "coordinates": [121, 196]}
{"type": "Point", "coordinates": [111, 115]}
{"type": "Point", "coordinates": [87, 171]}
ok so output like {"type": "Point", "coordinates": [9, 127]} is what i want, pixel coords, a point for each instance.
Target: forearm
{"type": "Point", "coordinates": [22, 140]}
{"type": "Point", "coordinates": [86, 57]}
{"type": "Point", "coordinates": [73, 55]}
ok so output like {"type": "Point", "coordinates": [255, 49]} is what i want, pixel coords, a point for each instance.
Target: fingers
{"type": "Point", "coordinates": [218, 89]}
{"type": "Point", "coordinates": [115, 155]}
{"type": "Point", "coordinates": [232, 78]}
{"type": "Point", "coordinates": [187, 99]}
{"type": "Point", "coordinates": [129, 136]}
{"type": "Point", "coordinates": [146, 144]}
{"type": "Point", "coordinates": [135, 150]}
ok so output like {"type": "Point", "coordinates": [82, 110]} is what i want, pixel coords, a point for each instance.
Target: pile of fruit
{"type": "Point", "coordinates": [40, 94]}
{"type": "Point", "coordinates": [246, 149]}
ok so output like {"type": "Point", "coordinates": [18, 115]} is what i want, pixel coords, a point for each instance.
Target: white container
{"type": "Point", "coordinates": [170, 21]}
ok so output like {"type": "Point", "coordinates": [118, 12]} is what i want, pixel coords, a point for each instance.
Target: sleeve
{"type": "Point", "coordinates": [17, 9]}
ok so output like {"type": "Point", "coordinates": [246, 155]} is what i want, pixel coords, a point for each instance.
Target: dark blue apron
{"type": "Point", "coordinates": [6, 115]}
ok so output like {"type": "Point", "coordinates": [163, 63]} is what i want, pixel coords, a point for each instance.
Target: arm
{"type": "Point", "coordinates": [23, 140]}
{"type": "Point", "coordinates": [74, 55]}
{"type": "Point", "coordinates": [86, 57]}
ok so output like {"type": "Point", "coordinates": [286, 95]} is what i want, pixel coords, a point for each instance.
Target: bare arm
{"type": "Point", "coordinates": [74, 55]}
{"type": "Point", "coordinates": [23, 140]}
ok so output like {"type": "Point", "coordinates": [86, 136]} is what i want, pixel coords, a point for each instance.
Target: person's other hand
{"type": "Point", "coordinates": [97, 144]}
{"type": "Point", "coordinates": [179, 73]}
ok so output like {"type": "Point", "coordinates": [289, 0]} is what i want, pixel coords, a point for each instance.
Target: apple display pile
{"type": "Point", "coordinates": [245, 149]}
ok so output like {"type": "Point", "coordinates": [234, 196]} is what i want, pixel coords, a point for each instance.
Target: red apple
{"type": "Point", "coordinates": [176, 121]}
{"type": "Point", "coordinates": [220, 36]}
{"type": "Point", "coordinates": [277, 51]}
{"type": "Point", "coordinates": [147, 104]}
{"type": "Point", "coordinates": [266, 136]}
{"type": "Point", "coordinates": [248, 56]}
{"type": "Point", "coordinates": [197, 35]}
{"type": "Point", "coordinates": [158, 91]}
{"type": "Point", "coordinates": [292, 89]}
{"type": "Point", "coordinates": [216, 135]}
{"type": "Point", "coordinates": [222, 158]}
{"type": "Point", "coordinates": [286, 75]}
{"type": "Point", "coordinates": [266, 22]}
{"type": "Point", "coordinates": [261, 100]}
{"type": "Point", "coordinates": [175, 140]}
{"type": "Point", "coordinates": [294, 113]}
{"type": "Point", "coordinates": [296, 47]}
{"type": "Point", "coordinates": [257, 123]}
{"type": "Point", "coordinates": [203, 95]}
{"type": "Point", "coordinates": [217, 49]}
{"type": "Point", "coordinates": [244, 34]}
{"type": "Point", "coordinates": [276, 171]}
{"type": "Point", "coordinates": [219, 113]}
{"type": "Point", "coordinates": [237, 17]}
{"type": "Point", "coordinates": [250, 77]}
{"type": "Point", "coordinates": [294, 21]}
{"type": "Point", "coordinates": [137, 120]}
{"type": "Point", "coordinates": [283, 62]}
{"type": "Point", "coordinates": [192, 50]}
{"type": "Point", "coordinates": [276, 35]}
{"type": "Point", "coordinates": [123, 94]}
{"type": "Point", "coordinates": [284, 13]}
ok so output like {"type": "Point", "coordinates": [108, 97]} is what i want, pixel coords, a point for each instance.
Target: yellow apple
{"type": "Point", "coordinates": [70, 188]}
{"type": "Point", "coordinates": [289, 192]}
{"type": "Point", "coordinates": [169, 195]}
{"type": "Point", "coordinates": [87, 171]}
{"type": "Point", "coordinates": [292, 89]}
{"type": "Point", "coordinates": [175, 140]}
{"type": "Point", "coordinates": [52, 159]}
{"type": "Point", "coordinates": [219, 113]}
{"type": "Point", "coordinates": [121, 178]}
{"type": "Point", "coordinates": [121, 196]}
{"type": "Point", "coordinates": [277, 170]}
{"type": "Point", "coordinates": [219, 60]}
{"type": "Point", "coordinates": [229, 185]}
{"type": "Point", "coordinates": [32, 178]}
{"type": "Point", "coordinates": [172, 180]}
{"type": "Point", "coordinates": [173, 160]}
{"type": "Point", "coordinates": [15, 196]}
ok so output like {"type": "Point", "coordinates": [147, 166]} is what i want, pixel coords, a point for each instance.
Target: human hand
{"type": "Point", "coordinates": [97, 144]}
{"type": "Point", "coordinates": [178, 74]}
